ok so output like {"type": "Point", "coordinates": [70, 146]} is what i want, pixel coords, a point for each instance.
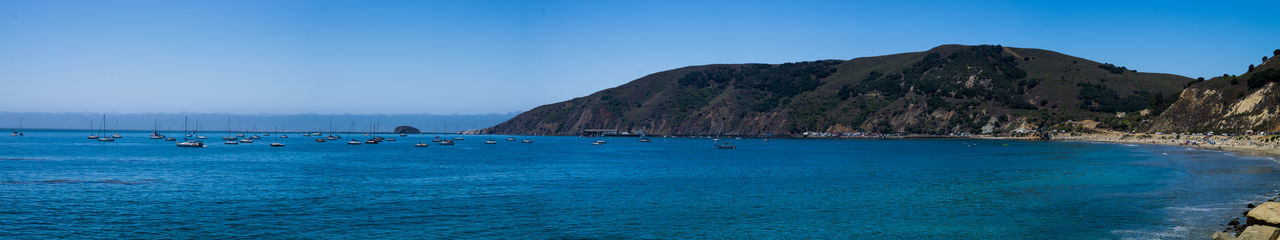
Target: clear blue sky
{"type": "Point", "coordinates": [468, 57]}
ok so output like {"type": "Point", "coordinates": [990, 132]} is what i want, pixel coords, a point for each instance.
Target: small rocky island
{"type": "Point", "coordinates": [406, 129]}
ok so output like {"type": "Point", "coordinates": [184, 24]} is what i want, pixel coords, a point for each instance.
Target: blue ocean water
{"type": "Point", "coordinates": [57, 184]}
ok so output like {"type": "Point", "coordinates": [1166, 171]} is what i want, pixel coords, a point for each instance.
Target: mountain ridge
{"type": "Point", "coordinates": [946, 89]}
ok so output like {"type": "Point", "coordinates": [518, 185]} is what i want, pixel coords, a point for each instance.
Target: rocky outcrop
{"type": "Point", "coordinates": [1266, 214]}
{"type": "Point", "coordinates": [1230, 104]}
{"type": "Point", "coordinates": [1261, 222]}
{"type": "Point", "coordinates": [406, 129]}
{"type": "Point", "coordinates": [1256, 232]}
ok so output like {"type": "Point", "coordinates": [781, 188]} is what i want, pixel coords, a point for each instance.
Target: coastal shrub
{"type": "Point", "coordinates": [889, 86]}
{"type": "Point", "coordinates": [1250, 68]}
{"type": "Point", "coordinates": [846, 92]}
{"type": "Point", "coordinates": [704, 78]}
{"type": "Point", "coordinates": [1099, 98]}
{"type": "Point", "coordinates": [1262, 78]}
{"type": "Point", "coordinates": [1192, 82]}
{"type": "Point", "coordinates": [1276, 52]}
{"type": "Point", "coordinates": [937, 102]}
{"type": "Point", "coordinates": [1029, 83]}
{"type": "Point", "coordinates": [1112, 68]}
{"type": "Point", "coordinates": [789, 79]}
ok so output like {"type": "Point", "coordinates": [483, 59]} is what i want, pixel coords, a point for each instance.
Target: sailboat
{"type": "Point", "coordinates": [230, 138]}
{"type": "Point", "coordinates": [167, 138]}
{"type": "Point", "coordinates": [420, 144]}
{"type": "Point", "coordinates": [187, 141]}
{"type": "Point", "coordinates": [117, 128]}
{"type": "Point", "coordinates": [372, 132]}
{"type": "Point", "coordinates": [723, 144]}
{"type": "Point", "coordinates": [526, 140]}
{"type": "Point", "coordinates": [490, 141]}
{"type": "Point", "coordinates": [599, 142]}
{"type": "Point", "coordinates": [19, 132]}
{"type": "Point", "coordinates": [92, 134]}
{"type": "Point", "coordinates": [155, 130]}
{"type": "Point", "coordinates": [251, 137]}
{"type": "Point", "coordinates": [319, 139]}
{"type": "Point", "coordinates": [643, 137]}
{"type": "Point", "coordinates": [353, 140]}
{"type": "Point", "coordinates": [104, 137]}
{"type": "Point", "coordinates": [331, 136]}
{"type": "Point", "coordinates": [254, 129]}
{"type": "Point", "coordinates": [197, 131]}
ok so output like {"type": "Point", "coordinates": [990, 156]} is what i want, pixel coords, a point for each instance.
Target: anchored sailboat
{"type": "Point", "coordinates": [103, 133]}
{"type": "Point", "coordinates": [187, 141]}
{"type": "Point", "coordinates": [92, 134]}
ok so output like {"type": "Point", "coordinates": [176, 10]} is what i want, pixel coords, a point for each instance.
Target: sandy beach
{"type": "Point", "coordinates": [1252, 145]}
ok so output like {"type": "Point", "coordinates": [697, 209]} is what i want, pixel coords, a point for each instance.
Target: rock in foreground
{"type": "Point", "coordinates": [1266, 214]}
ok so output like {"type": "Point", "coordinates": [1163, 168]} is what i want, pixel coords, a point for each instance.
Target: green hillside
{"type": "Point", "coordinates": [947, 89]}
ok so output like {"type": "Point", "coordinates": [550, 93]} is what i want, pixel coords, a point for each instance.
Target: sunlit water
{"type": "Point", "coordinates": [57, 184]}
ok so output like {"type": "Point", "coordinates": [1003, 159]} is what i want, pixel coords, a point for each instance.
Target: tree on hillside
{"type": "Point", "coordinates": [1276, 52]}
{"type": "Point", "coordinates": [1250, 68]}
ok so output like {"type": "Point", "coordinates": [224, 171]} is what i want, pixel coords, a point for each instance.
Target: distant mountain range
{"type": "Point", "coordinates": [947, 89]}
{"type": "Point", "coordinates": [263, 122]}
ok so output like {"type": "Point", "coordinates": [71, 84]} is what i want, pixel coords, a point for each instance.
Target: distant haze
{"type": "Point", "coordinates": [244, 122]}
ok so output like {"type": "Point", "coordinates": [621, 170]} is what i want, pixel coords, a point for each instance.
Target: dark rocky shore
{"type": "Point", "coordinates": [1260, 222]}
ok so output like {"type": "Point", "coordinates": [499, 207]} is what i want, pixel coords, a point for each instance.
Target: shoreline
{"type": "Point", "coordinates": [1245, 145]}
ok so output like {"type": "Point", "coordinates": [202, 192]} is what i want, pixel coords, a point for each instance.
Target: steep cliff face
{"type": "Point", "coordinates": [1231, 104]}
{"type": "Point", "coordinates": [947, 89]}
